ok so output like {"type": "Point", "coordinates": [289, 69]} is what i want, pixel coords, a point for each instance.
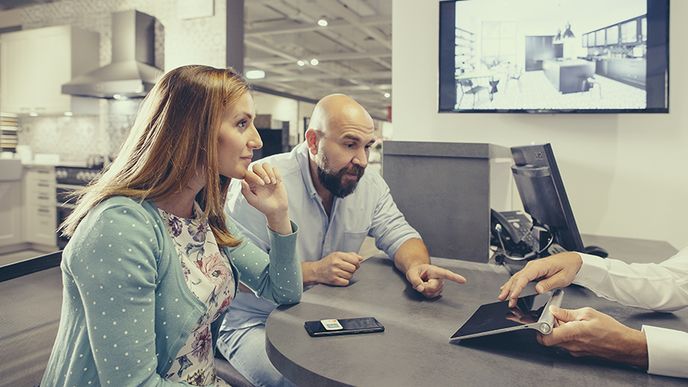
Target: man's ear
{"type": "Point", "coordinates": [312, 141]}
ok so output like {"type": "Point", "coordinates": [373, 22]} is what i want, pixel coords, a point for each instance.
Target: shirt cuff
{"type": "Point", "coordinates": [294, 229]}
{"type": "Point", "coordinates": [592, 273]}
{"type": "Point", "coordinates": [665, 354]}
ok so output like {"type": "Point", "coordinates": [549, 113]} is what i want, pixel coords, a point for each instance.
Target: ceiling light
{"type": "Point", "coordinates": [314, 62]}
{"type": "Point", "coordinates": [33, 114]}
{"type": "Point", "coordinates": [68, 114]}
{"type": "Point", "coordinates": [255, 74]}
{"type": "Point", "coordinates": [387, 95]}
{"type": "Point", "coordinates": [322, 22]}
{"type": "Point", "coordinates": [300, 63]}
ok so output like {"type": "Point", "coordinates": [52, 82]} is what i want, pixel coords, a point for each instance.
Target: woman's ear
{"type": "Point", "coordinates": [312, 141]}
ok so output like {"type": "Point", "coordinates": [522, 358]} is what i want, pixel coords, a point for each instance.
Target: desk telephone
{"type": "Point", "coordinates": [514, 234]}
{"type": "Point", "coordinates": [517, 239]}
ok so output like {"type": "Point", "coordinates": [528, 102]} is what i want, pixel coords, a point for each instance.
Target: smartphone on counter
{"type": "Point", "coordinates": [343, 326]}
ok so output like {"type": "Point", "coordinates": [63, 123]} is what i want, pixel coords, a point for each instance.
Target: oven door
{"type": "Point", "coordinates": [65, 206]}
{"type": "Point", "coordinates": [63, 211]}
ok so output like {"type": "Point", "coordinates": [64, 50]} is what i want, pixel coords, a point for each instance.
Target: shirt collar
{"type": "Point", "coordinates": [302, 159]}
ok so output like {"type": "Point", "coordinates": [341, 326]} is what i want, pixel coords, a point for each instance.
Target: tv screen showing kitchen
{"type": "Point", "coordinates": [550, 56]}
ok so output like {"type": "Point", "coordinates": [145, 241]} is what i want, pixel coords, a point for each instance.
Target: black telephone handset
{"type": "Point", "coordinates": [512, 231]}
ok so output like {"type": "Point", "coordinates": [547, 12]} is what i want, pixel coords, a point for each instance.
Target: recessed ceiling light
{"type": "Point", "coordinates": [322, 22]}
{"type": "Point", "coordinates": [68, 114]}
{"type": "Point", "coordinates": [387, 95]}
{"type": "Point", "coordinates": [300, 63]}
{"type": "Point", "coordinates": [314, 62]}
{"type": "Point", "coordinates": [255, 74]}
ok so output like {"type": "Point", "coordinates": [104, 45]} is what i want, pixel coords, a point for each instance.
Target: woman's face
{"type": "Point", "coordinates": [238, 138]}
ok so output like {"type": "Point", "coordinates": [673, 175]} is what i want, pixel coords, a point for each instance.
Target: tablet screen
{"type": "Point", "coordinates": [498, 315]}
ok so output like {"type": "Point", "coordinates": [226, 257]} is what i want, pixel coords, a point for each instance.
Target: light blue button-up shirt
{"type": "Point", "coordinates": [368, 211]}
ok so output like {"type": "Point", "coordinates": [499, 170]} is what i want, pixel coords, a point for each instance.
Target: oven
{"type": "Point", "coordinates": [70, 179]}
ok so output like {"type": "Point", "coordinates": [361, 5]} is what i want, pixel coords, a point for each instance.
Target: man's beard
{"type": "Point", "coordinates": [334, 181]}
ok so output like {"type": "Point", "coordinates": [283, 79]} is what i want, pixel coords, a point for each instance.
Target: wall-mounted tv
{"type": "Point", "coordinates": [552, 56]}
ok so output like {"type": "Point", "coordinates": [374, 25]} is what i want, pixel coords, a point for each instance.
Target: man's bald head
{"type": "Point", "coordinates": [339, 138]}
{"type": "Point", "coordinates": [337, 112]}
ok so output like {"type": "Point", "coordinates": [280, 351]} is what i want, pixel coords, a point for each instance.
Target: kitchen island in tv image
{"type": "Point", "coordinates": [554, 56]}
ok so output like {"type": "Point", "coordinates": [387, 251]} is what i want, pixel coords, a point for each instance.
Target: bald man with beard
{"type": "Point", "coordinates": [336, 206]}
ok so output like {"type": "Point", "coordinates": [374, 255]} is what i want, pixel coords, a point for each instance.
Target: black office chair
{"type": "Point", "coordinates": [228, 373]}
{"type": "Point", "coordinates": [591, 82]}
{"type": "Point", "coordinates": [514, 74]}
{"type": "Point", "coordinates": [466, 87]}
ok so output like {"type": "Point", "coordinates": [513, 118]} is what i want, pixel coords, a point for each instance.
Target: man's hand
{"type": "Point", "coordinates": [335, 269]}
{"type": "Point", "coordinates": [429, 279]}
{"type": "Point", "coordinates": [557, 271]}
{"type": "Point", "coordinates": [587, 332]}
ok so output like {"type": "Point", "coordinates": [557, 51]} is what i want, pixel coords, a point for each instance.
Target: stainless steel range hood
{"type": "Point", "coordinates": [132, 72]}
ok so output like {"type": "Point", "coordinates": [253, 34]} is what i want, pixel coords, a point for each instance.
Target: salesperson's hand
{"type": "Point", "coordinates": [557, 271]}
{"type": "Point", "coordinates": [587, 332]}
{"type": "Point", "coordinates": [429, 279]}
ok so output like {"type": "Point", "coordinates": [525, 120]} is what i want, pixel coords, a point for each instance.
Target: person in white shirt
{"type": "Point", "coordinates": [587, 332]}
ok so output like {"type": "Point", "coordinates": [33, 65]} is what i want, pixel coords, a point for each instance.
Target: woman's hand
{"type": "Point", "coordinates": [263, 189]}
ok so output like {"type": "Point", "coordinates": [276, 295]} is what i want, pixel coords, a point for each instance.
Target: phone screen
{"type": "Point", "coordinates": [331, 327]}
{"type": "Point", "coordinates": [498, 315]}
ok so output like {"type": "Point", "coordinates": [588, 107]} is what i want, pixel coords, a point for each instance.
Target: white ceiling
{"type": "Point", "coordinates": [354, 51]}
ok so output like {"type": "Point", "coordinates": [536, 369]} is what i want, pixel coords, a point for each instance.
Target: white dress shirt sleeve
{"type": "Point", "coordinates": [658, 286]}
{"type": "Point", "coordinates": [667, 352]}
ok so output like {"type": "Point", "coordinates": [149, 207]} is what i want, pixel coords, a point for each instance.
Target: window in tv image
{"type": "Point", "coordinates": [554, 55]}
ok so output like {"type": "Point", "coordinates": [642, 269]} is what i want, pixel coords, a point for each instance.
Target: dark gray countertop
{"type": "Point", "coordinates": [415, 350]}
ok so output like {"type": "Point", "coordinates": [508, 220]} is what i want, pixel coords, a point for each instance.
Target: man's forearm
{"type": "Point", "coordinates": [309, 273]}
{"type": "Point", "coordinates": [411, 253]}
{"type": "Point", "coordinates": [633, 350]}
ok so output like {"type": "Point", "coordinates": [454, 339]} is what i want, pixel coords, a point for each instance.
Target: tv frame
{"type": "Point", "coordinates": [447, 81]}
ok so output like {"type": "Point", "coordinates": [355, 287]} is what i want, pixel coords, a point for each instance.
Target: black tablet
{"type": "Point", "coordinates": [531, 312]}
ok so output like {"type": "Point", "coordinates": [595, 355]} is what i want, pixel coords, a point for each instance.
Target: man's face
{"type": "Point", "coordinates": [342, 158]}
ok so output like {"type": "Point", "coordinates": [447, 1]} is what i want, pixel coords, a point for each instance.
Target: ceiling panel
{"type": "Point", "coordinates": [353, 52]}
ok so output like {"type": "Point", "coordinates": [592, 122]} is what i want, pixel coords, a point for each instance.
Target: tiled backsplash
{"type": "Point", "coordinates": [75, 138]}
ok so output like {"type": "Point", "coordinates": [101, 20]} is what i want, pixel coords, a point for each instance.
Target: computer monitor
{"type": "Point", "coordinates": [542, 192]}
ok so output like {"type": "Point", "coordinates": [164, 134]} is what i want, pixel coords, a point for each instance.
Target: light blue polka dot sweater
{"type": "Point", "coordinates": [126, 310]}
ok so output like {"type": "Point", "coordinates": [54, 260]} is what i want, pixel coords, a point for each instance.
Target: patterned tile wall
{"type": "Point", "coordinates": [184, 41]}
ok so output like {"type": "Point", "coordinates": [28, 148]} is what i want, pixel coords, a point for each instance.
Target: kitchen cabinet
{"type": "Point", "coordinates": [35, 63]}
{"type": "Point", "coordinates": [10, 213]}
{"type": "Point", "coordinates": [629, 71]}
{"type": "Point", "coordinates": [40, 206]}
{"type": "Point", "coordinates": [629, 31]}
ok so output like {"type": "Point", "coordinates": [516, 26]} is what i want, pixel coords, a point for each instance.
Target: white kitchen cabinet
{"type": "Point", "coordinates": [35, 63]}
{"type": "Point", "coordinates": [10, 213]}
{"type": "Point", "coordinates": [40, 218]}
